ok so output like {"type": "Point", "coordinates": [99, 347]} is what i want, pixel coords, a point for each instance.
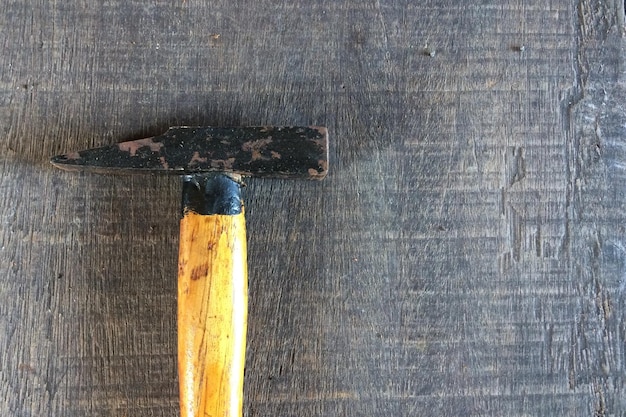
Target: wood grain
{"type": "Point", "coordinates": [212, 314]}
{"type": "Point", "coordinates": [465, 256]}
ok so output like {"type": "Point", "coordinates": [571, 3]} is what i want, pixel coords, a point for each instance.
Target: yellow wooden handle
{"type": "Point", "coordinates": [212, 314]}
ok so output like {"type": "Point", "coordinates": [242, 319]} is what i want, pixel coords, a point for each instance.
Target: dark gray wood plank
{"type": "Point", "coordinates": [465, 257]}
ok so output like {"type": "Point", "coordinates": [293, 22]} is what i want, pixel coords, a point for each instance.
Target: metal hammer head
{"type": "Point", "coordinates": [276, 152]}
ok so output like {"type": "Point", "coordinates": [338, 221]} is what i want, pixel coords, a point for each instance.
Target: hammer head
{"type": "Point", "coordinates": [276, 152]}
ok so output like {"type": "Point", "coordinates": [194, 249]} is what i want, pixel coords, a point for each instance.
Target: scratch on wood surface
{"type": "Point", "coordinates": [320, 396]}
{"type": "Point", "coordinates": [383, 26]}
{"type": "Point", "coordinates": [514, 167]}
{"type": "Point", "coordinates": [515, 164]}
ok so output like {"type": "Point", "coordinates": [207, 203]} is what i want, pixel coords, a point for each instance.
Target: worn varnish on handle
{"type": "Point", "coordinates": [212, 314]}
{"type": "Point", "coordinates": [212, 299]}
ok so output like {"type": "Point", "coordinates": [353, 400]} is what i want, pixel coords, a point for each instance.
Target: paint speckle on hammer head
{"type": "Point", "coordinates": [133, 146]}
{"type": "Point", "coordinates": [197, 159]}
{"type": "Point", "coordinates": [223, 164]}
{"type": "Point", "coordinates": [270, 152]}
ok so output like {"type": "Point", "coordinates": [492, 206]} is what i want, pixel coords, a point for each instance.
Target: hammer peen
{"type": "Point", "coordinates": [212, 261]}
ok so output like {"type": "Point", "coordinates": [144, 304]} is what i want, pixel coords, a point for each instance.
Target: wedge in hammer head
{"type": "Point", "coordinates": [212, 260]}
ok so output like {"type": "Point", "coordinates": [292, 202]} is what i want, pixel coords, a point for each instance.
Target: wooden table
{"type": "Point", "coordinates": [465, 257]}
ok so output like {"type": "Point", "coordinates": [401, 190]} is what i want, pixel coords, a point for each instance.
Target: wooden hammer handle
{"type": "Point", "coordinates": [212, 314]}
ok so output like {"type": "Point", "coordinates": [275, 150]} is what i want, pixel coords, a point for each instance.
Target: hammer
{"type": "Point", "coordinates": [212, 260]}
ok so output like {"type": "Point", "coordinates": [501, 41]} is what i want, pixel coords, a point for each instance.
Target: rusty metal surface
{"type": "Point", "coordinates": [277, 152]}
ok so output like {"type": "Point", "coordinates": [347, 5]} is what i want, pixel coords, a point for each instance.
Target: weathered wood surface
{"type": "Point", "coordinates": [465, 257]}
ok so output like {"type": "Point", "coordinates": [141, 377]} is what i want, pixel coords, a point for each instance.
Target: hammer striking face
{"type": "Point", "coordinates": [212, 260]}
